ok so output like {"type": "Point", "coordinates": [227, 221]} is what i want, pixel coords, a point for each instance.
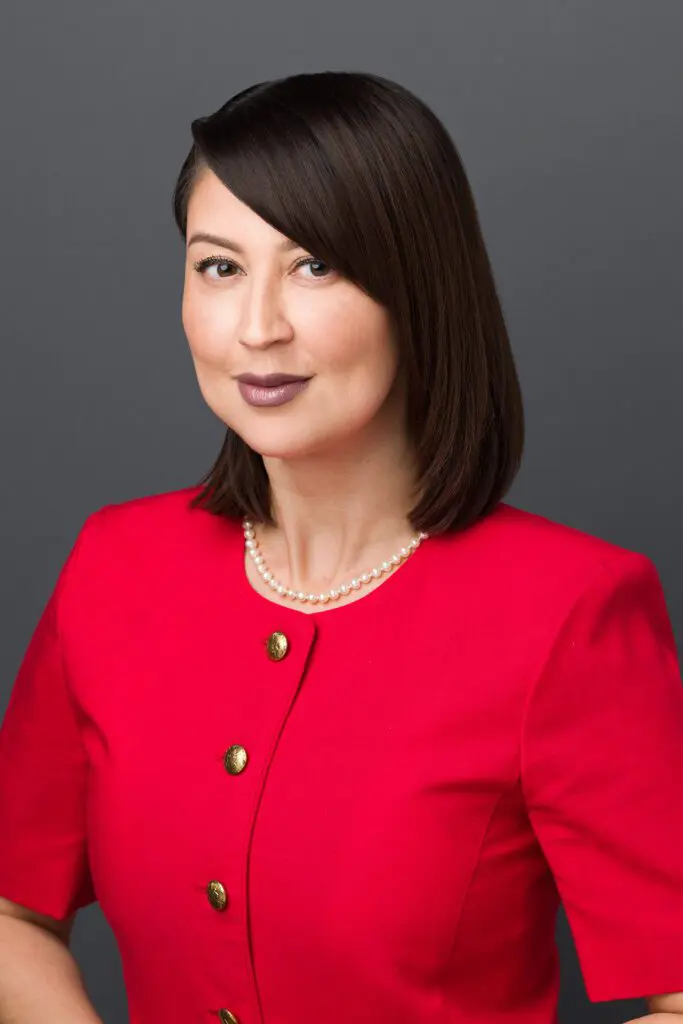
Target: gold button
{"type": "Point", "coordinates": [235, 759]}
{"type": "Point", "coordinates": [277, 646]}
{"type": "Point", "coordinates": [217, 895]}
{"type": "Point", "coordinates": [227, 1017]}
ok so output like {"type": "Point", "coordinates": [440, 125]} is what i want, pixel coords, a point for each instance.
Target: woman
{"type": "Point", "coordinates": [329, 735]}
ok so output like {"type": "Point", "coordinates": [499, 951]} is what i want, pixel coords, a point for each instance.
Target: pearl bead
{"type": "Point", "coordinates": [251, 545]}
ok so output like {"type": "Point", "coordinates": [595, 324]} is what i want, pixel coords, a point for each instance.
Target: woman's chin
{"type": "Point", "coordinates": [281, 446]}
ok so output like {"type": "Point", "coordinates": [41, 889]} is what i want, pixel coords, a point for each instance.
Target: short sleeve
{"type": "Point", "coordinates": [602, 773]}
{"type": "Point", "coordinates": [43, 775]}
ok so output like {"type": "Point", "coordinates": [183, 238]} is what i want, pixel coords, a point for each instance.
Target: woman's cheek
{"type": "Point", "coordinates": [208, 335]}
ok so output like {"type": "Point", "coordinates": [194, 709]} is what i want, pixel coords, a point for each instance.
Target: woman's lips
{"type": "Point", "coordinates": [271, 393]}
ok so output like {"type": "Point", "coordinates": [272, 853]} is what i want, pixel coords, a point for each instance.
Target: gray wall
{"type": "Point", "coordinates": [567, 115]}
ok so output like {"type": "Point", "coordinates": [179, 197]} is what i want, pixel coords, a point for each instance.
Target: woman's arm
{"type": "Point", "coordinates": [664, 1009]}
{"type": "Point", "coordinates": [39, 978]}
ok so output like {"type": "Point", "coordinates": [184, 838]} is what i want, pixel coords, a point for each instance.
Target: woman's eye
{"type": "Point", "coordinates": [315, 265]}
{"type": "Point", "coordinates": [224, 267]}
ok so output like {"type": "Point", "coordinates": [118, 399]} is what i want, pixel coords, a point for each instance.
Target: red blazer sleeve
{"type": "Point", "coordinates": [602, 771]}
{"type": "Point", "coordinates": [43, 775]}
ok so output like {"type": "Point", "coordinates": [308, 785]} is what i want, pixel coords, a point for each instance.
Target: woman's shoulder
{"type": "Point", "coordinates": [515, 575]}
{"type": "Point", "coordinates": [526, 552]}
{"type": "Point", "coordinates": [157, 533]}
{"type": "Point", "coordinates": [533, 535]}
{"type": "Point", "coordinates": [156, 518]}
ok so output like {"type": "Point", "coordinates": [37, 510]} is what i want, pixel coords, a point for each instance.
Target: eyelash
{"type": "Point", "coordinates": [208, 261]}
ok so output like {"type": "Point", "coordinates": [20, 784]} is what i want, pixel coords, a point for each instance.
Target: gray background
{"type": "Point", "coordinates": [567, 115]}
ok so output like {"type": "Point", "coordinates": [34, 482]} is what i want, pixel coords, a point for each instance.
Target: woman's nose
{"type": "Point", "coordinates": [263, 319]}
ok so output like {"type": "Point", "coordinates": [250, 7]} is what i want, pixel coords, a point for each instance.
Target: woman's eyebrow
{"type": "Point", "coordinates": [226, 243]}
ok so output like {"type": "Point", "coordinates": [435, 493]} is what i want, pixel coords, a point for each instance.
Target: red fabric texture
{"type": "Point", "coordinates": [430, 769]}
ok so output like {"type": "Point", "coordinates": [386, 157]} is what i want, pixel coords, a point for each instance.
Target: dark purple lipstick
{"type": "Point", "coordinates": [270, 388]}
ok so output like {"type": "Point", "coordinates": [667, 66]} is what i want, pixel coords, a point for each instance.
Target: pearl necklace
{"type": "Point", "coordinates": [252, 547]}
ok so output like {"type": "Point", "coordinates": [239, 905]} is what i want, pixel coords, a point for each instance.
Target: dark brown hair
{"type": "Point", "coordinates": [363, 175]}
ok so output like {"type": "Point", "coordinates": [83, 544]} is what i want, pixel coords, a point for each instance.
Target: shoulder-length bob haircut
{"type": "Point", "coordinates": [363, 175]}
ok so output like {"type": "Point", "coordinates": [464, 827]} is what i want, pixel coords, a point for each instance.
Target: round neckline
{"type": "Point", "coordinates": [391, 585]}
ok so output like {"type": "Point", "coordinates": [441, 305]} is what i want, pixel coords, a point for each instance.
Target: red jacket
{"type": "Point", "coordinates": [376, 827]}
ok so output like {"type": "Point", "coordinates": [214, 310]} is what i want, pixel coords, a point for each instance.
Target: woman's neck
{"type": "Point", "coordinates": [338, 515]}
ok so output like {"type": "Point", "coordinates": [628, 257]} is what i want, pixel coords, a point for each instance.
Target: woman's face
{"type": "Point", "coordinates": [266, 306]}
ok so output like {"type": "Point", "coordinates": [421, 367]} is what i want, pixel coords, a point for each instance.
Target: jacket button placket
{"type": "Point", "coordinates": [264, 705]}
